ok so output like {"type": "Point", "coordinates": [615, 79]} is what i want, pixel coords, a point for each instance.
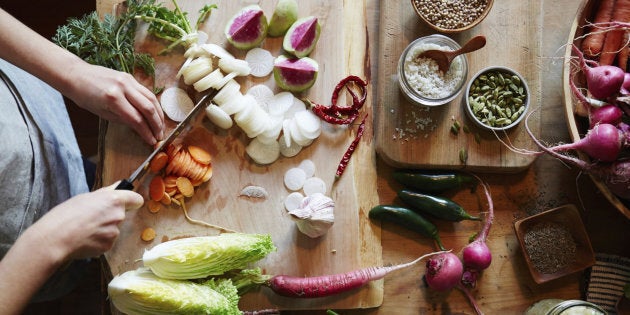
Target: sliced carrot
{"type": "Point", "coordinates": [200, 155]}
{"type": "Point", "coordinates": [156, 188]}
{"type": "Point", "coordinates": [159, 162]}
{"type": "Point", "coordinates": [166, 199]}
{"type": "Point", "coordinates": [185, 186]}
{"type": "Point", "coordinates": [148, 234]}
{"type": "Point", "coordinates": [173, 149]}
{"type": "Point", "coordinates": [208, 174]}
{"type": "Point", "coordinates": [196, 182]}
{"type": "Point", "coordinates": [154, 206]}
{"type": "Point", "coordinates": [170, 181]}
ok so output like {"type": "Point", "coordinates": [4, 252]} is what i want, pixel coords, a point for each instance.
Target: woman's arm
{"type": "Point", "coordinates": [82, 227]}
{"type": "Point", "coordinates": [111, 94]}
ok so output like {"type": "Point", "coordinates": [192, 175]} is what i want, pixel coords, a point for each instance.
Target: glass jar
{"type": "Point", "coordinates": [431, 88]}
{"type": "Point", "coordinates": [564, 307]}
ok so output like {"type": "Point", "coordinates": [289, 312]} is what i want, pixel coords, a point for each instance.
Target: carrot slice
{"type": "Point", "coordinates": [170, 181]}
{"type": "Point", "coordinates": [166, 199]}
{"type": "Point", "coordinates": [156, 188]}
{"type": "Point", "coordinates": [154, 206]}
{"type": "Point", "coordinates": [185, 186]}
{"type": "Point", "coordinates": [208, 174]}
{"type": "Point", "coordinates": [159, 162]}
{"type": "Point", "coordinates": [148, 234]}
{"type": "Point", "coordinates": [200, 155]}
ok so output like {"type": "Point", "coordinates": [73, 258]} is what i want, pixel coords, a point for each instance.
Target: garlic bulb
{"type": "Point", "coordinates": [314, 215]}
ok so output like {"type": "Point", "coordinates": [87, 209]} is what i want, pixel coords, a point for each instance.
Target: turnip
{"type": "Point", "coordinates": [601, 81]}
{"type": "Point", "coordinates": [444, 271]}
{"type": "Point", "coordinates": [596, 110]}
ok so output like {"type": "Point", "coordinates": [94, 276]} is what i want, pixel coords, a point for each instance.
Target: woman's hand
{"type": "Point", "coordinates": [86, 225]}
{"type": "Point", "coordinates": [119, 97]}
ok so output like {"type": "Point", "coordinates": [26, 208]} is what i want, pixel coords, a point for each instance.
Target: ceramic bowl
{"type": "Point", "coordinates": [490, 99]}
{"type": "Point", "coordinates": [565, 216]}
{"type": "Point", "coordinates": [437, 24]}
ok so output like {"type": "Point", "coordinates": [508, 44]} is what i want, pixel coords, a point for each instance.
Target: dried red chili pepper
{"type": "Point", "coordinates": [342, 115]}
{"type": "Point", "coordinates": [346, 156]}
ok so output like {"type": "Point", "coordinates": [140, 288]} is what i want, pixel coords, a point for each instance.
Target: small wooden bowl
{"type": "Point", "coordinates": [568, 217]}
{"type": "Point", "coordinates": [453, 30]}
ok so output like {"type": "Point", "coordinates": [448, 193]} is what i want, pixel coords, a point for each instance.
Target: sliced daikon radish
{"type": "Point", "coordinates": [258, 122]}
{"type": "Point", "coordinates": [193, 51]}
{"type": "Point", "coordinates": [211, 80]}
{"type": "Point", "coordinates": [309, 125]}
{"type": "Point", "coordinates": [236, 104]}
{"type": "Point", "coordinates": [286, 132]}
{"type": "Point", "coordinates": [245, 114]}
{"type": "Point", "coordinates": [181, 69]}
{"type": "Point", "coordinates": [291, 150]}
{"type": "Point", "coordinates": [239, 66]}
{"type": "Point", "coordinates": [202, 37]}
{"type": "Point", "coordinates": [176, 103]}
{"type": "Point", "coordinates": [197, 69]}
{"type": "Point", "coordinates": [314, 185]}
{"type": "Point", "coordinates": [260, 61]}
{"type": "Point", "coordinates": [228, 78]}
{"type": "Point", "coordinates": [229, 90]}
{"type": "Point", "coordinates": [216, 51]}
{"type": "Point", "coordinates": [280, 103]}
{"type": "Point", "coordinates": [308, 166]}
{"type": "Point", "coordinates": [263, 153]}
{"type": "Point", "coordinates": [296, 135]}
{"type": "Point", "coordinates": [294, 178]}
{"type": "Point", "coordinates": [218, 117]}
{"type": "Point", "coordinates": [296, 106]}
{"type": "Point", "coordinates": [262, 94]}
{"type": "Point", "coordinates": [274, 128]}
{"type": "Point", "coordinates": [293, 201]}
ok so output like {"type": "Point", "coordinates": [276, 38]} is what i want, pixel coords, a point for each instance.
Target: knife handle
{"type": "Point", "coordinates": [124, 185]}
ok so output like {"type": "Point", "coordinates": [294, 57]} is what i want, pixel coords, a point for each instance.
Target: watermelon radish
{"type": "Point", "coordinates": [295, 74]}
{"type": "Point", "coordinates": [302, 36]}
{"type": "Point", "coordinates": [247, 28]}
{"type": "Point", "coordinates": [284, 15]}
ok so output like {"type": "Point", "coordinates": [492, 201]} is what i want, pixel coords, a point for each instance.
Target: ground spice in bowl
{"type": "Point", "coordinates": [453, 15]}
{"type": "Point", "coordinates": [550, 247]}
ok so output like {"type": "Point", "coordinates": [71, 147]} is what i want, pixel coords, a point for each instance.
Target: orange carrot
{"type": "Point", "coordinates": [148, 234]}
{"type": "Point", "coordinates": [158, 162]}
{"type": "Point", "coordinates": [185, 187]}
{"type": "Point", "coordinates": [156, 188]}
{"type": "Point", "coordinates": [622, 57]}
{"type": "Point", "coordinates": [200, 155]}
{"type": "Point", "coordinates": [594, 42]}
{"type": "Point", "coordinates": [614, 39]}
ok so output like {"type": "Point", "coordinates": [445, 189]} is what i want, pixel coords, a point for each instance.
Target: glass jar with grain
{"type": "Point", "coordinates": [421, 81]}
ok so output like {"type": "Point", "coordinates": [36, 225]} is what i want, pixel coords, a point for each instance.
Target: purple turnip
{"type": "Point", "coordinates": [444, 271]}
{"type": "Point", "coordinates": [601, 81]}
{"type": "Point", "coordinates": [476, 255]}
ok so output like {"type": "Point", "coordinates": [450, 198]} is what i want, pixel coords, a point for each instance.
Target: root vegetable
{"type": "Point", "coordinates": [320, 286]}
{"type": "Point", "coordinates": [603, 142]}
{"type": "Point", "coordinates": [601, 81]}
{"type": "Point", "coordinates": [444, 271]}
{"type": "Point", "coordinates": [476, 255]}
{"type": "Point", "coordinates": [594, 41]}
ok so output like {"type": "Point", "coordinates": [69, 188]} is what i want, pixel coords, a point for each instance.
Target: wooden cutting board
{"type": "Point", "coordinates": [415, 136]}
{"type": "Point", "coordinates": [353, 242]}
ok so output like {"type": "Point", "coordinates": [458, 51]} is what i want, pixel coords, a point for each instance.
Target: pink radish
{"type": "Point", "coordinates": [608, 114]}
{"type": "Point", "coordinates": [601, 81]}
{"type": "Point", "coordinates": [444, 271]}
{"type": "Point", "coordinates": [616, 175]}
{"type": "Point", "coordinates": [320, 286]}
{"type": "Point", "coordinates": [476, 255]}
{"type": "Point", "coordinates": [625, 86]}
{"type": "Point", "coordinates": [603, 142]}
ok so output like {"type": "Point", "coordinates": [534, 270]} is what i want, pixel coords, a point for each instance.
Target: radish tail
{"type": "Point", "coordinates": [471, 298]}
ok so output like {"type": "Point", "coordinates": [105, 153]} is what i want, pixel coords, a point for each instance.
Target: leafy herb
{"type": "Point", "coordinates": [108, 43]}
{"type": "Point", "coordinates": [172, 26]}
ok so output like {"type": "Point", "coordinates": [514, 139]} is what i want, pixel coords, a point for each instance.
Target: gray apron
{"type": "Point", "coordinates": [40, 162]}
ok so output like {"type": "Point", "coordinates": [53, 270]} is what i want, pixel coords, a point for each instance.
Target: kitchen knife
{"type": "Point", "coordinates": [127, 184]}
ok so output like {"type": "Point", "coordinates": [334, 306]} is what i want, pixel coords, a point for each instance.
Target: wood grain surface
{"type": "Point", "coordinates": [352, 243]}
{"type": "Point", "coordinates": [414, 136]}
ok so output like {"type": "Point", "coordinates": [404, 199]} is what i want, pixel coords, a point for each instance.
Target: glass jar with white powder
{"type": "Point", "coordinates": [420, 79]}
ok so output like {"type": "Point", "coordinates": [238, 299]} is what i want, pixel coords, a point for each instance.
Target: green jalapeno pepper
{"type": "Point", "coordinates": [439, 207]}
{"type": "Point", "coordinates": [408, 219]}
{"type": "Point", "coordinates": [433, 182]}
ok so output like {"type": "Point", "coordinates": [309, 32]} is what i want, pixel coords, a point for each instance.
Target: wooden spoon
{"type": "Point", "coordinates": [444, 58]}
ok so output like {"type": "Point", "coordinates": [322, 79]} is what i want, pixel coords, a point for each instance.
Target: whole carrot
{"type": "Point", "coordinates": [614, 39]}
{"type": "Point", "coordinates": [594, 42]}
{"type": "Point", "coordinates": [622, 57]}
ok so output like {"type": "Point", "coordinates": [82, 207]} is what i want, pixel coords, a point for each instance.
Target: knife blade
{"type": "Point", "coordinates": [127, 184]}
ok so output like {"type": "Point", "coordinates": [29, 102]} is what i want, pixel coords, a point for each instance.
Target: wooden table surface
{"type": "Point", "coordinates": [546, 184]}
